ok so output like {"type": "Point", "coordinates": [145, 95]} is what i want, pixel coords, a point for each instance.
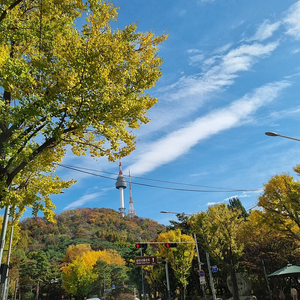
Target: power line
{"type": "Point", "coordinates": [219, 189]}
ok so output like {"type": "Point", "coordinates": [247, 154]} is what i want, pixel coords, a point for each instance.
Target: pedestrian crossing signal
{"type": "Point", "coordinates": [141, 245]}
{"type": "Point", "coordinates": [171, 245]}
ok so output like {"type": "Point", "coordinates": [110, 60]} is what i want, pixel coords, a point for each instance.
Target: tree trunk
{"type": "Point", "coordinates": [234, 283]}
{"type": "Point", "coordinates": [37, 290]}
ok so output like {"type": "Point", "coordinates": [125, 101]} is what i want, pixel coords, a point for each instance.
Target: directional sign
{"type": "Point", "coordinates": [201, 273]}
{"type": "Point", "coordinates": [145, 260]}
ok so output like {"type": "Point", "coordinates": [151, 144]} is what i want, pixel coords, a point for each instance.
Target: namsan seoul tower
{"type": "Point", "coordinates": [121, 185]}
{"type": "Point", "coordinates": [131, 210]}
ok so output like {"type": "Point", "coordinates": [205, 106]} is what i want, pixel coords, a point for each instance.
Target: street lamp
{"type": "Point", "coordinates": [176, 213]}
{"type": "Point", "coordinates": [196, 244]}
{"type": "Point", "coordinates": [269, 133]}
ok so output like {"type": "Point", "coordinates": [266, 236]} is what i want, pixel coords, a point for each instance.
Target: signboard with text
{"type": "Point", "coordinates": [145, 260]}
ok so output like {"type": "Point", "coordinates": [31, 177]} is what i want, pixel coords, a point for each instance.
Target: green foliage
{"type": "Point", "coordinates": [235, 203]}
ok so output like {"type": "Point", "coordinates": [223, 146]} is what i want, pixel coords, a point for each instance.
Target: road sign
{"type": "Point", "coordinates": [145, 260]}
{"type": "Point", "coordinates": [214, 269]}
{"type": "Point", "coordinates": [202, 280]}
{"type": "Point", "coordinates": [107, 291]}
{"type": "Point", "coordinates": [201, 273]}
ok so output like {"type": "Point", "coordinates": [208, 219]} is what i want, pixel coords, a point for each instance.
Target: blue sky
{"type": "Point", "coordinates": [231, 72]}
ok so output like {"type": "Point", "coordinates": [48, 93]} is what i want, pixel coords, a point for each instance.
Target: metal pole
{"type": "Point", "coordinates": [3, 232]}
{"type": "Point", "coordinates": [210, 277]}
{"type": "Point", "coordinates": [143, 284]}
{"type": "Point", "coordinates": [6, 285]}
{"type": "Point", "coordinates": [199, 265]}
{"type": "Point", "coordinates": [167, 277]}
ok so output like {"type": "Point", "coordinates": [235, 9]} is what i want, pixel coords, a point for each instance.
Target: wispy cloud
{"type": "Point", "coordinates": [83, 200]}
{"type": "Point", "coordinates": [213, 203]}
{"type": "Point", "coordinates": [265, 31]}
{"type": "Point", "coordinates": [292, 20]}
{"type": "Point", "coordinates": [180, 141]}
{"type": "Point", "coordinates": [220, 72]}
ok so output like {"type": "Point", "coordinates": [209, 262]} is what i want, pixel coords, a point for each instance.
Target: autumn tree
{"type": "Point", "coordinates": [280, 201]}
{"type": "Point", "coordinates": [65, 84]}
{"type": "Point", "coordinates": [218, 230]}
{"type": "Point", "coordinates": [265, 250]}
{"type": "Point", "coordinates": [80, 274]}
{"type": "Point", "coordinates": [179, 257]}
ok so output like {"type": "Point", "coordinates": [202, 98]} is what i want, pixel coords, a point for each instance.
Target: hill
{"type": "Point", "coordinates": [39, 253]}
{"type": "Point", "coordinates": [100, 227]}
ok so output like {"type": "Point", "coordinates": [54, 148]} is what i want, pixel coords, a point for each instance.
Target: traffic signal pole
{"type": "Point", "coordinates": [142, 270]}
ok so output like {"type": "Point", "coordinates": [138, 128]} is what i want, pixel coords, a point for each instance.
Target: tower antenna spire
{"type": "Point", "coordinates": [131, 210]}
{"type": "Point", "coordinates": [121, 185]}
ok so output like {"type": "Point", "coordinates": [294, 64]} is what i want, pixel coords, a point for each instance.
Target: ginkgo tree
{"type": "Point", "coordinates": [63, 83]}
{"type": "Point", "coordinates": [80, 274]}
{"type": "Point", "coordinates": [179, 257]}
{"type": "Point", "coordinates": [280, 201]}
{"type": "Point", "coordinates": [218, 231]}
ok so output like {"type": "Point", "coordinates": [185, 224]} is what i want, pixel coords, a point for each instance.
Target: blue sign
{"type": "Point", "coordinates": [214, 269]}
{"type": "Point", "coordinates": [107, 291]}
{"type": "Point", "coordinates": [201, 273]}
{"type": "Point", "coordinates": [113, 286]}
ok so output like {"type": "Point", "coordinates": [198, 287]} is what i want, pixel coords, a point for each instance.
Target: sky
{"type": "Point", "coordinates": [231, 72]}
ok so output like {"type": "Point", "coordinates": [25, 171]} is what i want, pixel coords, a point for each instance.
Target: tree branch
{"type": "Point", "coordinates": [12, 6]}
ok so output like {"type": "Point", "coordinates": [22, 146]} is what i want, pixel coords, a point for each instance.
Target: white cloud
{"type": "Point", "coordinates": [292, 20]}
{"type": "Point", "coordinates": [213, 203]}
{"type": "Point", "coordinates": [221, 72]}
{"type": "Point", "coordinates": [265, 31]}
{"type": "Point", "coordinates": [220, 75]}
{"type": "Point", "coordinates": [181, 141]}
{"type": "Point", "coordinates": [83, 200]}
{"type": "Point", "coordinates": [196, 59]}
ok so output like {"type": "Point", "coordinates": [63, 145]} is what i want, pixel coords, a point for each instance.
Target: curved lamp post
{"type": "Point", "coordinates": [269, 133]}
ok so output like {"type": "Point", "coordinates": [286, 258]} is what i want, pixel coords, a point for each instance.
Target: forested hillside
{"type": "Point", "coordinates": [40, 252]}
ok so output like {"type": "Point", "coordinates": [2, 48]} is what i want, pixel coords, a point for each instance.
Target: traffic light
{"type": "Point", "coordinates": [170, 245]}
{"type": "Point", "coordinates": [141, 245]}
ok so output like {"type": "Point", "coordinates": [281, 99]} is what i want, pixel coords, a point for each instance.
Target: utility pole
{"type": "Point", "coordinates": [168, 282]}
{"type": "Point", "coordinates": [210, 277]}
{"type": "Point", "coordinates": [3, 232]}
{"type": "Point", "coordinates": [199, 265]}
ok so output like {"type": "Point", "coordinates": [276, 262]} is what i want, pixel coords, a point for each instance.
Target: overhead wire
{"type": "Point", "coordinates": [218, 189]}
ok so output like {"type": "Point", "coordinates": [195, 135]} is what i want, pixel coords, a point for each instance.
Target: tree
{"type": "Point", "coordinates": [281, 203]}
{"type": "Point", "coordinates": [264, 247]}
{"type": "Point", "coordinates": [64, 85]}
{"type": "Point", "coordinates": [180, 257]}
{"type": "Point", "coordinates": [235, 203]}
{"type": "Point", "coordinates": [218, 229]}
{"type": "Point", "coordinates": [80, 274]}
